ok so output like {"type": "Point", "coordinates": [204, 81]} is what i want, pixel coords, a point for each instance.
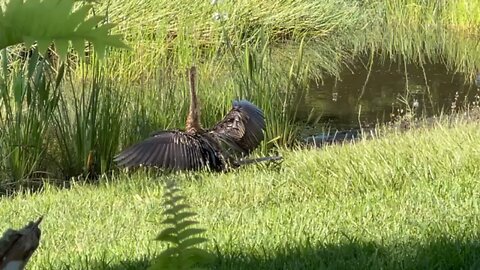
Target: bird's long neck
{"type": "Point", "coordinates": [193, 118]}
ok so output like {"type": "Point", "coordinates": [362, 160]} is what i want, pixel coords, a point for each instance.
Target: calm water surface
{"type": "Point", "coordinates": [351, 101]}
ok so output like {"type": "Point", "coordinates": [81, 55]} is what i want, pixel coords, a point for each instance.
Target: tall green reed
{"type": "Point", "coordinates": [420, 32]}
{"type": "Point", "coordinates": [273, 88]}
{"type": "Point", "coordinates": [88, 123]}
{"type": "Point", "coordinates": [268, 52]}
{"type": "Point", "coordinates": [28, 98]}
{"type": "Point", "coordinates": [161, 31]}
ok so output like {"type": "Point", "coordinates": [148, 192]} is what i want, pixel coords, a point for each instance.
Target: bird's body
{"type": "Point", "coordinates": [195, 148]}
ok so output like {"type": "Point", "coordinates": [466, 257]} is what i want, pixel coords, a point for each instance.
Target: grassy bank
{"type": "Point", "coordinates": [401, 202]}
{"type": "Point", "coordinates": [270, 52]}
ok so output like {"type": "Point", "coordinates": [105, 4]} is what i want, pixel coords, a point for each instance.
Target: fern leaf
{"type": "Point", "coordinates": [54, 21]}
{"type": "Point", "coordinates": [171, 191]}
{"type": "Point", "coordinates": [168, 235]}
{"type": "Point", "coordinates": [174, 199]}
{"type": "Point", "coordinates": [175, 209]}
{"type": "Point", "coordinates": [62, 48]}
{"type": "Point", "coordinates": [90, 23]}
{"type": "Point", "coordinates": [190, 242]}
{"type": "Point", "coordinates": [78, 44]}
{"type": "Point", "coordinates": [196, 256]}
{"type": "Point", "coordinates": [182, 254]}
{"type": "Point", "coordinates": [184, 215]}
{"type": "Point", "coordinates": [78, 15]}
{"type": "Point", "coordinates": [182, 225]}
{"type": "Point", "coordinates": [163, 263]}
{"type": "Point", "coordinates": [171, 221]}
{"type": "Point", "coordinates": [189, 232]}
{"type": "Point", "coordinates": [42, 45]}
{"type": "Point", "coordinates": [173, 251]}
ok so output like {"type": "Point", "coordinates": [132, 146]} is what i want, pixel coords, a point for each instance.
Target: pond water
{"type": "Point", "coordinates": [352, 101]}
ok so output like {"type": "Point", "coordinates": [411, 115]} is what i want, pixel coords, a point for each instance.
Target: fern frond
{"type": "Point", "coordinates": [180, 225]}
{"type": "Point", "coordinates": [187, 223]}
{"type": "Point", "coordinates": [179, 233]}
{"type": "Point", "coordinates": [175, 208]}
{"type": "Point", "coordinates": [173, 200]}
{"type": "Point", "coordinates": [187, 243]}
{"type": "Point", "coordinates": [184, 215]}
{"type": "Point", "coordinates": [55, 21]}
{"type": "Point", "coordinates": [168, 235]}
{"type": "Point", "coordinates": [192, 255]}
{"type": "Point", "coordinates": [187, 233]}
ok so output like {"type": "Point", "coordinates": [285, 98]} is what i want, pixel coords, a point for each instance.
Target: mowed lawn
{"type": "Point", "coordinates": [408, 201]}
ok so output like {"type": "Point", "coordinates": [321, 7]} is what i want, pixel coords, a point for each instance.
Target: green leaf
{"type": "Point", "coordinates": [42, 45]}
{"type": "Point", "coordinates": [33, 63]}
{"type": "Point", "coordinates": [190, 242]}
{"type": "Point", "coordinates": [28, 41]}
{"type": "Point", "coordinates": [167, 238]}
{"type": "Point", "coordinates": [89, 24]}
{"type": "Point", "coordinates": [54, 20]}
{"type": "Point", "coordinates": [61, 46]}
{"type": "Point", "coordinates": [182, 225]}
{"type": "Point", "coordinates": [18, 88]}
{"type": "Point", "coordinates": [171, 251]}
{"type": "Point", "coordinates": [175, 209]}
{"type": "Point", "coordinates": [163, 263]}
{"type": "Point", "coordinates": [171, 191]}
{"type": "Point", "coordinates": [193, 256]}
{"type": "Point", "coordinates": [174, 199]}
{"type": "Point", "coordinates": [183, 254]}
{"type": "Point", "coordinates": [189, 232]}
{"type": "Point", "coordinates": [60, 74]}
{"type": "Point", "coordinates": [79, 46]}
{"type": "Point", "coordinates": [78, 16]}
{"type": "Point", "coordinates": [171, 221]}
{"type": "Point", "coordinates": [184, 215]}
{"type": "Point", "coordinates": [117, 41]}
{"type": "Point", "coordinates": [100, 49]}
{"type": "Point", "coordinates": [168, 235]}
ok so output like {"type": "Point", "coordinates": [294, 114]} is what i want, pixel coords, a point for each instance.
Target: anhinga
{"type": "Point", "coordinates": [218, 148]}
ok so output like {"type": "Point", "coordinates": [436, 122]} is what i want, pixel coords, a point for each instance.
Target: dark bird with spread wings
{"type": "Point", "coordinates": [218, 148]}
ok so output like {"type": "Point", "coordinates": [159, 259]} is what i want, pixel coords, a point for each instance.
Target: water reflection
{"type": "Point", "coordinates": [353, 101]}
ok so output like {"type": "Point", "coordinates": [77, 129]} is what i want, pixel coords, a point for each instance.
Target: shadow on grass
{"type": "Point", "coordinates": [441, 253]}
{"type": "Point", "coordinates": [37, 185]}
{"type": "Point", "coordinates": [104, 264]}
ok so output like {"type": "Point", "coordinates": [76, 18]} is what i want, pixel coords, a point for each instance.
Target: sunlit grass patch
{"type": "Point", "coordinates": [401, 200]}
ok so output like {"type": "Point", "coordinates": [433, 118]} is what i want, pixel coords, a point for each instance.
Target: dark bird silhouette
{"type": "Point", "coordinates": [218, 148]}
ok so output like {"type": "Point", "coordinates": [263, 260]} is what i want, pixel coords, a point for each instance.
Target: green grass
{"type": "Point", "coordinates": [270, 52]}
{"type": "Point", "coordinates": [406, 201]}
{"type": "Point", "coordinates": [401, 202]}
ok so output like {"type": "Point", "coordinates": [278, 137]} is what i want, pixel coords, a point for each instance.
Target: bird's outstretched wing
{"type": "Point", "coordinates": [171, 150]}
{"type": "Point", "coordinates": [242, 128]}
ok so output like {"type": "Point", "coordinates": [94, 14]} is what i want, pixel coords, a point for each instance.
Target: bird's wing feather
{"type": "Point", "coordinates": [242, 128]}
{"type": "Point", "coordinates": [170, 150]}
